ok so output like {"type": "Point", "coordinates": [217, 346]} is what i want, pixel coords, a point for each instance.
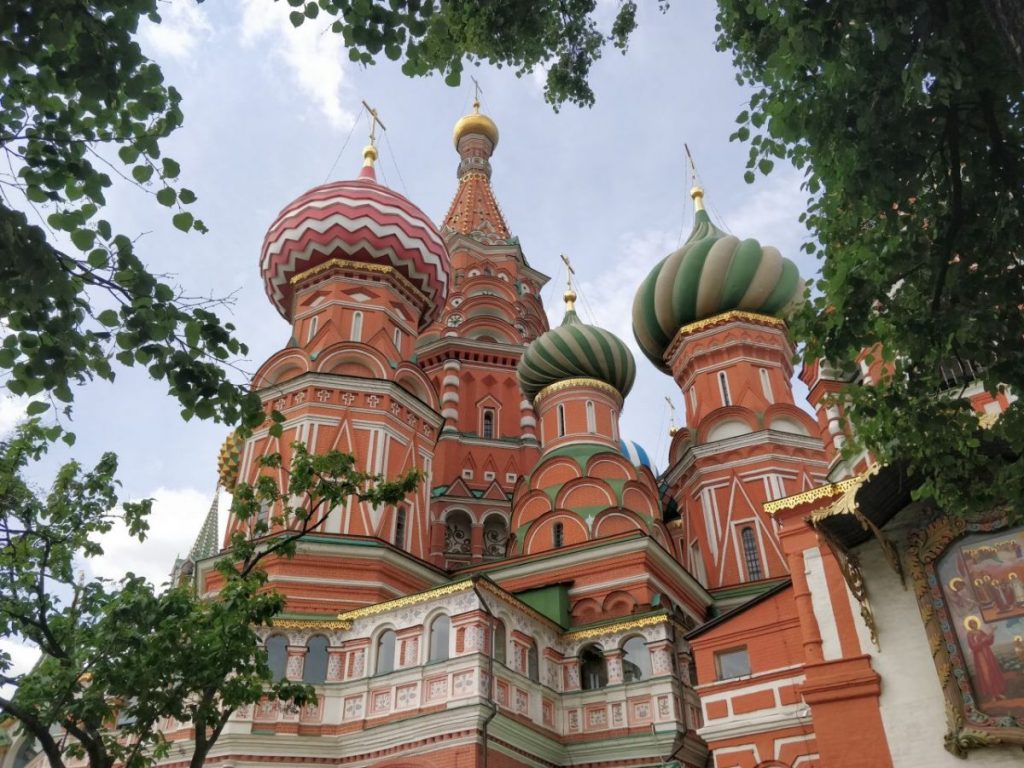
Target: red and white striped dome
{"type": "Point", "coordinates": [361, 221]}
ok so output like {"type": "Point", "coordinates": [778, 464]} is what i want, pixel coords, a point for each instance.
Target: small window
{"type": "Point", "coordinates": [277, 656]}
{"type": "Point", "coordinates": [615, 425]}
{"type": "Point", "coordinates": [400, 515]}
{"type": "Point", "coordinates": [385, 652]}
{"type": "Point", "coordinates": [487, 428]}
{"type": "Point", "coordinates": [732, 663]}
{"type": "Point", "coordinates": [533, 662]}
{"type": "Point", "coordinates": [766, 385]}
{"type": "Point", "coordinates": [314, 670]}
{"type": "Point", "coordinates": [750, 554]}
{"type": "Point", "coordinates": [693, 399]}
{"type": "Point", "coordinates": [511, 477]}
{"type": "Point", "coordinates": [591, 417]}
{"type": "Point", "coordinates": [489, 476]}
{"type": "Point", "coordinates": [557, 535]}
{"type": "Point", "coordinates": [357, 326]}
{"type": "Point", "coordinates": [561, 421]}
{"type": "Point", "coordinates": [499, 642]}
{"type": "Point", "coordinates": [723, 385]}
{"type": "Point", "coordinates": [439, 629]}
{"type": "Point", "coordinates": [312, 328]}
{"type": "Point", "coordinates": [467, 474]}
{"type": "Point", "coordinates": [636, 660]}
{"type": "Point", "coordinates": [593, 672]}
{"type": "Point", "coordinates": [398, 339]}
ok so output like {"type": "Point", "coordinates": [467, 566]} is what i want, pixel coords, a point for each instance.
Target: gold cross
{"type": "Point", "coordinates": [672, 416]}
{"type": "Point", "coordinates": [374, 122]}
{"type": "Point", "coordinates": [569, 272]}
{"type": "Point", "coordinates": [477, 90]}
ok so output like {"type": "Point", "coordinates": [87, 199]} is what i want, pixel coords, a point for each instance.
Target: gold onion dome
{"type": "Point", "coordinates": [475, 122]}
{"type": "Point", "coordinates": [710, 274]}
{"type": "Point", "coordinates": [576, 350]}
{"type": "Point", "coordinates": [228, 461]}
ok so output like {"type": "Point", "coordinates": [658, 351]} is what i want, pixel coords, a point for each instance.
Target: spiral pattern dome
{"type": "Point", "coordinates": [361, 221]}
{"type": "Point", "coordinates": [710, 274]}
{"type": "Point", "coordinates": [576, 350]}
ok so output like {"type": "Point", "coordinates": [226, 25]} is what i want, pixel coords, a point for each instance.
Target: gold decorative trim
{"type": "Point", "coordinates": [821, 492]}
{"type": "Point", "coordinates": [310, 624]}
{"type": "Point", "coordinates": [558, 386]}
{"type": "Point", "coordinates": [724, 317]}
{"type": "Point", "coordinates": [849, 566]}
{"type": "Point", "coordinates": [402, 602]}
{"type": "Point", "coordinates": [359, 266]}
{"type": "Point", "coordinates": [622, 626]}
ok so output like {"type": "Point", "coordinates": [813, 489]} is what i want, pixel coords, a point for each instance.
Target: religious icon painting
{"type": "Point", "coordinates": [969, 581]}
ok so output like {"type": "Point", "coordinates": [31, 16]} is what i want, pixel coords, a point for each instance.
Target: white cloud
{"type": "Point", "coordinates": [23, 656]}
{"type": "Point", "coordinates": [176, 519]}
{"type": "Point", "coordinates": [313, 55]}
{"type": "Point", "coordinates": [184, 26]}
{"type": "Point", "coordinates": [12, 411]}
{"type": "Point", "coordinates": [770, 213]}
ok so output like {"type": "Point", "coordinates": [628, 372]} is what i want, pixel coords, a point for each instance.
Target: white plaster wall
{"type": "Point", "coordinates": [821, 603]}
{"type": "Point", "coordinates": [912, 704]}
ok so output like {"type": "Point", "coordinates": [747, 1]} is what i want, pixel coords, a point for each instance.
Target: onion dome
{"type": "Point", "coordinates": [636, 454]}
{"type": "Point", "coordinates": [356, 221]}
{"type": "Point", "coordinates": [710, 274]}
{"type": "Point", "coordinates": [576, 350]}
{"type": "Point", "coordinates": [476, 122]}
{"type": "Point", "coordinates": [227, 461]}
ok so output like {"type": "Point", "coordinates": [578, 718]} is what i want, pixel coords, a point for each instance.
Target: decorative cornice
{"type": "Point", "coordinates": [558, 386]}
{"type": "Point", "coordinates": [721, 319]}
{"type": "Point", "coordinates": [359, 266]}
{"type": "Point", "coordinates": [609, 629]}
{"type": "Point", "coordinates": [402, 602]}
{"type": "Point", "coordinates": [310, 624]}
{"type": "Point", "coordinates": [821, 492]}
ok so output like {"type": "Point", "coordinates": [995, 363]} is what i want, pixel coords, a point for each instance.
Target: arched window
{"type": "Point", "coordinates": [561, 421]}
{"type": "Point", "coordinates": [495, 537]}
{"type": "Point", "coordinates": [723, 385]}
{"type": "Point", "coordinates": [398, 339]}
{"type": "Point", "coordinates": [557, 535]}
{"type": "Point", "coordinates": [591, 417]}
{"type": "Point", "coordinates": [636, 660]}
{"type": "Point", "coordinates": [750, 554]}
{"type": "Point", "coordinates": [457, 533]}
{"type": "Point", "coordinates": [400, 514]}
{"type": "Point", "coordinates": [312, 328]}
{"type": "Point", "coordinates": [314, 671]}
{"type": "Point", "coordinates": [533, 662]}
{"type": "Point", "coordinates": [357, 326]}
{"type": "Point", "coordinates": [385, 652]}
{"type": "Point", "coordinates": [593, 672]}
{"type": "Point", "coordinates": [499, 642]}
{"type": "Point", "coordinates": [439, 629]}
{"type": "Point", "coordinates": [277, 655]}
{"type": "Point", "coordinates": [766, 385]}
{"type": "Point", "coordinates": [487, 429]}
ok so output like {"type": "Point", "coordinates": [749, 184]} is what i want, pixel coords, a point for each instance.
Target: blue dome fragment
{"type": "Point", "coordinates": [637, 455]}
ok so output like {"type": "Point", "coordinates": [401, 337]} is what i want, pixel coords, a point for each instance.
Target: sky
{"type": "Point", "coordinates": [271, 111]}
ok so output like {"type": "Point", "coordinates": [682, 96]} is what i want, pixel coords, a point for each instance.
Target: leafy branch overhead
{"type": "Point", "coordinates": [80, 104]}
{"type": "Point", "coordinates": [907, 120]}
{"type": "Point", "coordinates": [561, 36]}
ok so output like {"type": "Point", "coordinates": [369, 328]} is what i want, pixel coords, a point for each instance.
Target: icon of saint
{"type": "Point", "coordinates": [989, 681]}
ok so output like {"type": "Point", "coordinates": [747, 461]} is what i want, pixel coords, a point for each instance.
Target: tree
{"type": "Point", "coordinates": [906, 118]}
{"type": "Point", "coordinates": [124, 653]}
{"type": "Point", "coordinates": [79, 102]}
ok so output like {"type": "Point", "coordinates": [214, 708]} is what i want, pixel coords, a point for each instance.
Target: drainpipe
{"type": "Point", "coordinates": [490, 674]}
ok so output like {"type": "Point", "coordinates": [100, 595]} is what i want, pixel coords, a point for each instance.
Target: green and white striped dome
{"type": "Point", "coordinates": [576, 350]}
{"type": "Point", "coordinates": [710, 274]}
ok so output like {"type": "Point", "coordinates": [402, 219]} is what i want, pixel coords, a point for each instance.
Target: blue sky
{"type": "Point", "coordinates": [269, 107]}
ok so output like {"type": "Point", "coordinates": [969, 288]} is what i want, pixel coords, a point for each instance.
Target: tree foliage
{"type": "Point", "coordinates": [906, 118]}
{"type": "Point", "coordinates": [123, 653]}
{"type": "Point", "coordinates": [80, 103]}
{"type": "Point", "coordinates": [563, 37]}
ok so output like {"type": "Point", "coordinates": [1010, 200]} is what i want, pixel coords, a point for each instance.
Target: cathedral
{"type": "Point", "coordinates": [546, 597]}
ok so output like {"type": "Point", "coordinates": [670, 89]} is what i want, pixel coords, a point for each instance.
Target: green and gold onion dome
{"type": "Point", "coordinates": [575, 350]}
{"type": "Point", "coordinates": [227, 461]}
{"type": "Point", "coordinates": [710, 274]}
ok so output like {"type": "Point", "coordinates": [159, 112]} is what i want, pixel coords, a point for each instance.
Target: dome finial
{"type": "Point", "coordinates": [370, 150]}
{"type": "Point", "coordinates": [697, 190]}
{"type": "Point", "coordinates": [697, 193]}
{"type": "Point", "coordinates": [570, 295]}
{"type": "Point", "coordinates": [476, 122]}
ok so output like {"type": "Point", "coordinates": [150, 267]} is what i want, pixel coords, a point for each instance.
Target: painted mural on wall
{"type": "Point", "coordinates": [982, 581]}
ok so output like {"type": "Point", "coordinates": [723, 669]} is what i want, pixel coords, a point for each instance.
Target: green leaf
{"type": "Point", "coordinates": [183, 221]}
{"type": "Point", "coordinates": [83, 239]}
{"type": "Point", "coordinates": [186, 196]}
{"type": "Point", "coordinates": [296, 18]}
{"type": "Point", "coordinates": [765, 165]}
{"type": "Point", "coordinates": [109, 318]}
{"type": "Point", "coordinates": [171, 169]}
{"type": "Point", "coordinates": [166, 196]}
{"type": "Point", "coordinates": [142, 173]}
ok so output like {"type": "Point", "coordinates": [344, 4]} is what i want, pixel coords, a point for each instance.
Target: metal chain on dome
{"type": "Point", "coordinates": [394, 162]}
{"type": "Point", "coordinates": [342, 150]}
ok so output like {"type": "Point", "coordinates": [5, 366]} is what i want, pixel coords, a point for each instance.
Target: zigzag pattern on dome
{"type": "Point", "coordinates": [361, 221]}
